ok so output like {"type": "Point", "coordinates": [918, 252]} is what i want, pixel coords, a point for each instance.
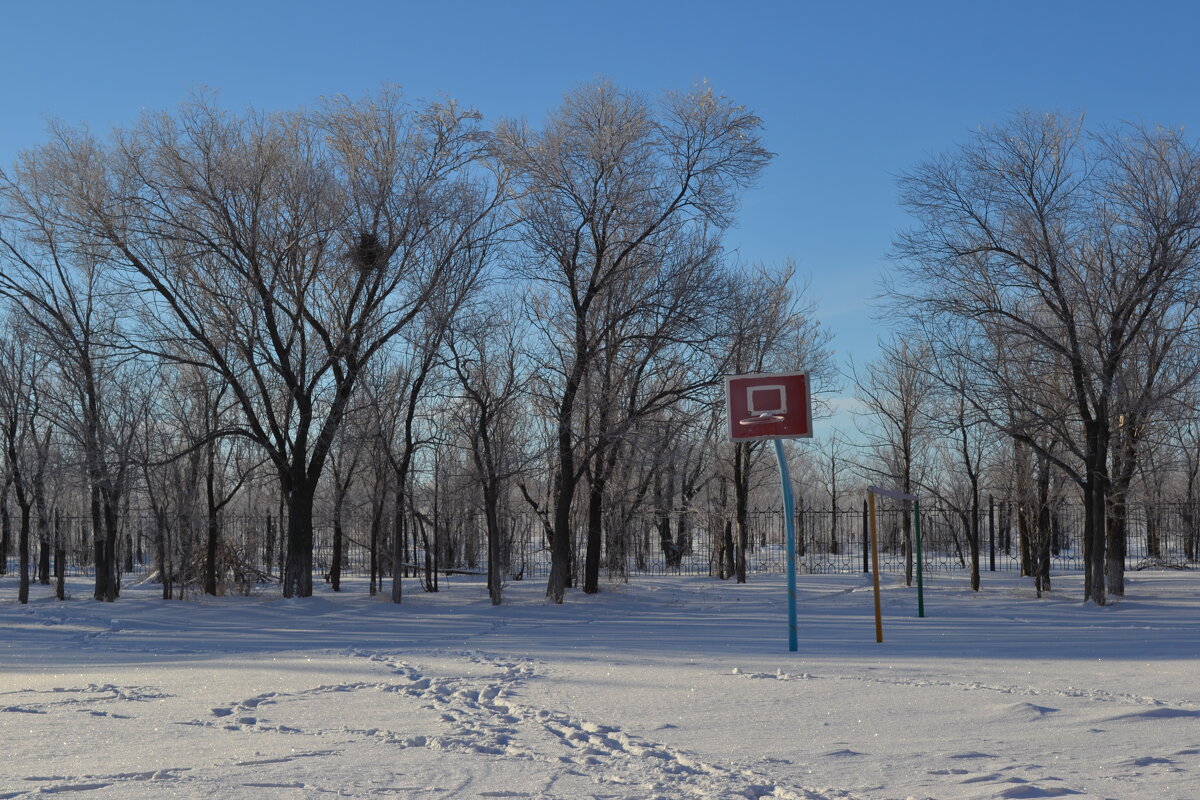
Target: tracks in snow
{"type": "Point", "coordinates": [484, 716]}
{"type": "Point", "coordinates": [476, 716]}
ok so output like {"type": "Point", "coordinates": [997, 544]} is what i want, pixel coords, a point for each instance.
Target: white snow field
{"type": "Point", "coordinates": [657, 688]}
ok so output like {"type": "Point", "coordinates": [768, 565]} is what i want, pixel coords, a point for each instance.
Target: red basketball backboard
{"type": "Point", "coordinates": [768, 406]}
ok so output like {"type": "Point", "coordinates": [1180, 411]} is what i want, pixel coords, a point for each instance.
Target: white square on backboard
{"type": "Point", "coordinates": [774, 397]}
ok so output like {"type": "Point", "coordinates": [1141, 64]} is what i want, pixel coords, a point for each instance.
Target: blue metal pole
{"type": "Point", "coordinates": [789, 514]}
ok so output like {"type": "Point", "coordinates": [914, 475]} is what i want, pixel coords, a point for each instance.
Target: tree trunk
{"type": "Point", "coordinates": [376, 524]}
{"type": "Point", "coordinates": [741, 500]}
{"type": "Point", "coordinates": [43, 518]}
{"type": "Point", "coordinates": [212, 538]}
{"type": "Point", "coordinates": [719, 536]}
{"type": "Point", "coordinates": [1125, 457]}
{"type": "Point", "coordinates": [906, 527]}
{"type": "Point", "coordinates": [270, 543]}
{"type": "Point", "coordinates": [60, 574]}
{"type": "Point", "coordinates": [160, 551]}
{"type": "Point", "coordinates": [672, 553]}
{"type": "Point", "coordinates": [23, 552]}
{"type": "Point", "coordinates": [495, 576]}
{"type": "Point", "coordinates": [567, 481]}
{"type": "Point", "coordinates": [595, 531]}
{"type": "Point", "coordinates": [1117, 538]}
{"type": "Point", "coordinates": [101, 588]}
{"type": "Point", "coordinates": [965, 518]}
{"type": "Point", "coordinates": [211, 542]}
{"type": "Point", "coordinates": [1025, 535]}
{"type": "Point", "coordinates": [833, 527]}
{"type": "Point", "coordinates": [1153, 540]}
{"type": "Point", "coordinates": [721, 561]}
{"type": "Point", "coordinates": [973, 538]}
{"type": "Point", "coordinates": [1042, 539]}
{"type": "Point", "coordinates": [5, 527]}
{"type": "Point", "coordinates": [335, 565]}
{"type": "Point", "coordinates": [1095, 496]}
{"type": "Point", "coordinates": [560, 545]}
{"type": "Point", "coordinates": [60, 560]}
{"type": "Point", "coordinates": [43, 569]}
{"type": "Point", "coordinates": [105, 524]}
{"type": "Point", "coordinates": [112, 529]}
{"type": "Point", "coordinates": [298, 564]}
{"type": "Point", "coordinates": [430, 570]}
{"type": "Point", "coordinates": [399, 537]}
{"type": "Point", "coordinates": [340, 490]}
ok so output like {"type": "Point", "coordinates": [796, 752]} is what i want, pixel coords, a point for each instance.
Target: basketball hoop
{"type": "Point", "coordinates": [764, 417]}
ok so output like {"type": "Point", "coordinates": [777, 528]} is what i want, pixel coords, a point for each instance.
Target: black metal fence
{"type": "Point", "coordinates": [683, 542]}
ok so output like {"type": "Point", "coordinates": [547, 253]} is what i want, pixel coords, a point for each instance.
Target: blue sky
{"type": "Point", "coordinates": [852, 93]}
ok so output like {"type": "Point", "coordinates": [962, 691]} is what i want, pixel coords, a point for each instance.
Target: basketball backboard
{"type": "Point", "coordinates": [768, 406]}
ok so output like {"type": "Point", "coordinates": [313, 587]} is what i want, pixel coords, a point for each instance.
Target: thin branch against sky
{"type": "Point", "coordinates": [851, 94]}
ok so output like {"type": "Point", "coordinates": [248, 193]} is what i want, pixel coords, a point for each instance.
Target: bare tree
{"type": "Point", "coordinates": [24, 434]}
{"type": "Point", "coordinates": [895, 393]}
{"type": "Point", "coordinates": [487, 360]}
{"type": "Point", "coordinates": [675, 466]}
{"type": "Point", "coordinates": [833, 463]}
{"type": "Point", "coordinates": [227, 465]}
{"type": "Point", "coordinates": [1151, 379]}
{"type": "Point", "coordinates": [1034, 235]}
{"type": "Point", "coordinates": [1181, 441]}
{"type": "Point", "coordinates": [651, 363]}
{"type": "Point", "coordinates": [282, 252]}
{"type": "Point", "coordinates": [165, 480]}
{"type": "Point", "coordinates": [964, 445]}
{"type": "Point", "coordinates": [613, 195]}
{"type": "Point", "coordinates": [964, 440]}
{"type": "Point", "coordinates": [56, 280]}
{"type": "Point", "coordinates": [409, 420]}
{"type": "Point", "coordinates": [346, 462]}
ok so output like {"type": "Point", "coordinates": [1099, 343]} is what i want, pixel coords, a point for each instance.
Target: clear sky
{"type": "Point", "coordinates": [852, 93]}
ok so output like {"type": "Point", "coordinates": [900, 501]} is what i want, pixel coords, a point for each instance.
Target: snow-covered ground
{"type": "Point", "coordinates": [659, 688]}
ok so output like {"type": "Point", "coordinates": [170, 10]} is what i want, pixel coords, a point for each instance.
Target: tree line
{"type": "Point", "coordinates": [378, 305]}
{"type": "Point", "coordinates": [1046, 304]}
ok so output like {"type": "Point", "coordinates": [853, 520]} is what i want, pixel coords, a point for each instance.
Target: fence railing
{"type": "Point", "coordinates": [686, 542]}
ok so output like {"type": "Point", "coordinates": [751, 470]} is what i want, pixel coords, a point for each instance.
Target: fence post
{"type": "Point", "coordinates": [992, 533]}
{"type": "Point", "coordinates": [865, 545]}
